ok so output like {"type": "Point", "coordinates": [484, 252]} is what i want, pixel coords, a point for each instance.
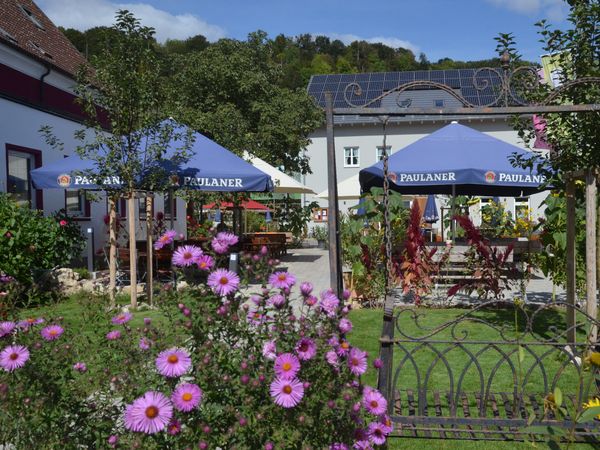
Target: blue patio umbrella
{"type": "Point", "coordinates": [455, 160]}
{"type": "Point", "coordinates": [218, 216]}
{"type": "Point", "coordinates": [268, 218]}
{"type": "Point", "coordinates": [430, 215]}
{"type": "Point", "coordinates": [211, 168]}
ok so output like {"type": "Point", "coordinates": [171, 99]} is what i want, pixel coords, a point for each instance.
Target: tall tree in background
{"type": "Point", "coordinates": [232, 92]}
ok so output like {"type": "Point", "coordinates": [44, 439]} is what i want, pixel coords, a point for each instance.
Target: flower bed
{"type": "Point", "coordinates": [225, 370]}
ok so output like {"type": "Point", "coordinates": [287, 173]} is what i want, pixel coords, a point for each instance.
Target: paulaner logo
{"type": "Point", "coordinates": [64, 180]}
{"type": "Point", "coordinates": [490, 177]}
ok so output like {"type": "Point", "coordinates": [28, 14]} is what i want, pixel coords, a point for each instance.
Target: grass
{"type": "Point", "coordinates": [367, 330]}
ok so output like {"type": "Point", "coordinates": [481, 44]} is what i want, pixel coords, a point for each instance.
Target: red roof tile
{"type": "Point", "coordinates": [25, 27]}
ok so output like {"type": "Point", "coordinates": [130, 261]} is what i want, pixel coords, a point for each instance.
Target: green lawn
{"type": "Point", "coordinates": [367, 329]}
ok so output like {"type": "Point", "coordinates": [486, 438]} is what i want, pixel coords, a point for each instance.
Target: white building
{"type": "Point", "coordinates": [359, 141]}
{"type": "Point", "coordinates": [37, 70]}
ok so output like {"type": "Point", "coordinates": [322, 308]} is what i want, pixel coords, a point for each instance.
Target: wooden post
{"type": "Point", "coordinates": [132, 250]}
{"type": "Point", "coordinates": [571, 263]}
{"type": "Point", "coordinates": [149, 247]}
{"type": "Point", "coordinates": [590, 249]}
{"type": "Point", "coordinates": [335, 259]}
{"type": "Point", "coordinates": [112, 253]}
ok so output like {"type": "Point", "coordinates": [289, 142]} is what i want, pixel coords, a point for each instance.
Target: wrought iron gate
{"type": "Point", "coordinates": [422, 403]}
{"type": "Point", "coordinates": [475, 377]}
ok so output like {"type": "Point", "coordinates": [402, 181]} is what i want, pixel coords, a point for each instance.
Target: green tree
{"type": "Point", "coordinates": [232, 92]}
{"type": "Point", "coordinates": [129, 101]}
{"type": "Point", "coordinates": [574, 138]}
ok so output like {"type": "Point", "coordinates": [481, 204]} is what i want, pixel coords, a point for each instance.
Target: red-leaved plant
{"type": "Point", "coordinates": [417, 265]}
{"type": "Point", "coordinates": [490, 267]}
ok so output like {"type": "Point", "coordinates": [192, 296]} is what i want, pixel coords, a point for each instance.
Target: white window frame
{"type": "Point", "coordinates": [352, 153]}
{"type": "Point", "coordinates": [379, 152]}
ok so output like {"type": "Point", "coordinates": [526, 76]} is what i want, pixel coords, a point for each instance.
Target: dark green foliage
{"type": "Point", "coordinates": [30, 242]}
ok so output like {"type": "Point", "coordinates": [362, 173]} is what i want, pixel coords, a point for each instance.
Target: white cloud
{"type": "Point", "coordinates": [389, 41]}
{"type": "Point", "coordinates": [84, 14]}
{"type": "Point", "coordinates": [554, 10]}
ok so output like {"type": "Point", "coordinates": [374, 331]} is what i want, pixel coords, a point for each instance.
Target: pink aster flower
{"type": "Point", "coordinates": [174, 427]}
{"type": "Point", "coordinates": [287, 392]}
{"type": "Point", "coordinates": [306, 349]}
{"type": "Point", "coordinates": [343, 349]}
{"type": "Point", "coordinates": [357, 361]}
{"type": "Point", "coordinates": [173, 362]}
{"type": "Point", "coordinates": [311, 301]}
{"type": "Point", "coordinates": [255, 317]}
{"type": "Point", "coordinates": [306, 288]}
{"type": "Point", "coordinates": [282, 280]}
{"type": "Point", "coordinates": [144, 343]}
{"type": "Point", "coordinates": [223, 282]}
{"type": "Point", "coordinates": [80, 367]}
{"type": "Point", "coordinates": [269, 350]}
{"type": "Point", "coordinates": [7, 328]}
{"type": "Point", "coordinates": [24, 324]}
{"type": "Point", "coordinates": [186, 397]}
{"type": "Point", "coordinates": [378, 363]}
{"type": "Point", "coordinates": [13, 357]}
{"type": "Point", "coordinates": [345, 326]}
{"type": "Point", "coordinates": [122, 318]}
{"type": "Point", "coordinates": [388, 426]}
{"type": "Point", "coordinates": [332, 358]}
{"type": "Point", "coordinates": [287, 365]}
{"type": "Point", "coordinates": [149, 414]}
{"type": "Point", "coordinates": [205, 262]}
{"type": "Point", "coordinates": [166, 239]}
{"type": "Point", "coordinates": [338, 446]}
{"type": "Point", "coordinates": [361, 440]}
{"type": "Point", "coordinates": [113, 335]}
{"type": "Point", "coordinates": [186, 255]}
{"type": "Point", "coordinates": [376, 433]}
{"type": "Point", "coordinates": [374, 402]}
{"type": "Point", "coordinates": [329, 303]}
{"type": "Point", "coordinates": [277, 301]}
{"type": "Point", "coordinates": [222, 241]}
{"type": "Point", "coordinates": [52, 332]}
{"type": "Point", "coordinates": [227, 238]}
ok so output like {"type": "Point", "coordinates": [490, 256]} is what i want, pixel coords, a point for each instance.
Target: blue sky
{"type": "Point", "coordinates": [459, 29]}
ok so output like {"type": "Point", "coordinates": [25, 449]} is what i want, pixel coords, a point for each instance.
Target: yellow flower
{"type": "Point", "coordinates": [592, 403]}
{"type": "Point", "coordinates": [593, 358]}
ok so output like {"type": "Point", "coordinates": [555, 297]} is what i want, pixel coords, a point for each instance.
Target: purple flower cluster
{"type": "Point", "coordinates": [166, 239]}
{"type": "Point", "coordinates": [222, 241]}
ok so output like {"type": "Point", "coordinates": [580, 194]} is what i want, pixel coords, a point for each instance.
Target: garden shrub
{"type": "Point", "coordinates": [223, 370]}
{"type": "Point", "coordinates": [31, 244]}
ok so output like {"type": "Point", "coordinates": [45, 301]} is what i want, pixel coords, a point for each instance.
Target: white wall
{"type": "Point", "coordinates": [19, 125]}
{"type": "Point", "coordinates": [368, 137]}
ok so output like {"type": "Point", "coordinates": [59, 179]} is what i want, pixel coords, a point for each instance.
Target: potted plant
{"type": "Point", "coordinates": [321, 234]}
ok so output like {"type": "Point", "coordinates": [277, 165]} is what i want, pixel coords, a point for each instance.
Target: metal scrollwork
{"type": "Point", "coordinates": [491, 378]}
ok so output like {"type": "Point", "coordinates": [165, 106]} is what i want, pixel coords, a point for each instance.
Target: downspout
{"type": "Point", "coordinates": [44, 75]}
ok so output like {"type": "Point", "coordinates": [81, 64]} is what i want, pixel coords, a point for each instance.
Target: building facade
{"type": "Point", "coordinates": [38, 66]}
{"type": "Point", "coordinates": [359, 140]}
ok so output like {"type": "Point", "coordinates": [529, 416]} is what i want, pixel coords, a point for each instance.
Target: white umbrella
{"type": "Point", "coordinates": [283, 182]}
{"type": "Point", "coordinates": [347, 189]}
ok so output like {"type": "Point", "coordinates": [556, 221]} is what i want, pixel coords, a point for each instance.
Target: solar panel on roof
{"type": "Point", "coordinates": [392, 76]}
{"type": "Point", "coordinates": [378, 76]}
{"type": "Point", "coordinates": [388, 85]}
{"type": "Point", "coordinates": [347, 77]}
{"type": "Point", "coordinates": [363, 76]}
{"type": "Point", "coordinates": [376, 85]}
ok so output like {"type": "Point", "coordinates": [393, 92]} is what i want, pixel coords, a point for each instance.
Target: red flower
{"type": "Point", "coordinates": [63, 223]}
